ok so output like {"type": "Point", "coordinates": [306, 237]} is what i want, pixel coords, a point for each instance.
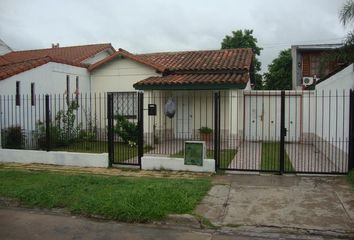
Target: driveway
{"type": "Point", "coordinates": [248, 156]}
{"type": "Point", "coordinates": [312, 203]}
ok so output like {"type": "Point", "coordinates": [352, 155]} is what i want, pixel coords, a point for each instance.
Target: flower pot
{"type": "Point", "coordinates": [206, 137]}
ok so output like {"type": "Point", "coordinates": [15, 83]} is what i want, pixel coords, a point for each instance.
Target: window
{"type": "Point", "coordinates": [126, 104]}
{"type": "Point", "coordinates": [67, 88]}
{"type": "Point", "coordinates": [33, 95]}
{"type": "Point", "coordinates": [18, 101]}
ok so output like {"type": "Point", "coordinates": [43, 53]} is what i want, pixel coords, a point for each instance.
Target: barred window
{"type": "Point", "coordinates": [126, 104]}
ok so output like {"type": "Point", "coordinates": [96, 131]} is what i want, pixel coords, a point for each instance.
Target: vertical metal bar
{"type": "Point", "coordinates": [47, 122]}
{"type": "Point", "coordinates": [216, 128]}
{"type": "Point", "coordinates": [282, 132]}
{"type": "Point", "coordinates": [110, 128]}
{"type": "Point", "coordinates": [351, 132]}
{"type": "Point", "coordinates": [141, 126]}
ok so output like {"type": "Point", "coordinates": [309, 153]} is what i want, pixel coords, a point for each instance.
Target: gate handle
{"type": "Point", "coordinates": [285, 131]}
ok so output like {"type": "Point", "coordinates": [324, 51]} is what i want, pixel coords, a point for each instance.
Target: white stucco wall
{"type": "Point", "coordinates": [4, 48]}
{"type": "Point", "coordinates": [119, 75]}
{"type": "Point", "coordinates": [57, 158]}
{"type": "Point", "coordinates": [175, 164]}
{"type": "Point", "coordinates": [49, 78]}
{"type": "Point", "coordinates": [340, 81]}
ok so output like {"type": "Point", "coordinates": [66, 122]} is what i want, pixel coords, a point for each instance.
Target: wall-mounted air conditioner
{"type": "Point", "coordinates": [307, 81]}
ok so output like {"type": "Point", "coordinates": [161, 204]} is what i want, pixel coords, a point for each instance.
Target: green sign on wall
{"type": "Point", "coordinates": [194, 153]}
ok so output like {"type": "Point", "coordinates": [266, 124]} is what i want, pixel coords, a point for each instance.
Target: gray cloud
{"type": "Point", "coordinates": [164, 25]}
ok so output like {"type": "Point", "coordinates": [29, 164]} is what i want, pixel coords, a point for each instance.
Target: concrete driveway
{"type": "Point", "coordinates": [313, 203]}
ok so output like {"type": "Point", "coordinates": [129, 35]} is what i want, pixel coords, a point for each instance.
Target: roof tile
{"type": "Point", "coordinates": [186, 79]}
{"type": "Point", "coordinates": [227, 59]}
{"type": "Point", "coordinates": [19, 61]}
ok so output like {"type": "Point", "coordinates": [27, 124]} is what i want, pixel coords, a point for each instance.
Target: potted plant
{"type": "Point", "coordinates": [205, 133]}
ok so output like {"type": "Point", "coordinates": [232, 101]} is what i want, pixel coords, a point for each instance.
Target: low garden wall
{"type": "Point", "coordinates": [175, 164]}
{"type": "Point", "coordinates": [57, 158]}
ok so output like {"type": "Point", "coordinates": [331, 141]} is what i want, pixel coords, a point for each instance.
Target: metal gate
{"type": "Point", "coordinates": [287, 131]}
{"type": "Point", "coordinates": [263, 131]}
{"type": "Point", "coordinates": [125, 128]}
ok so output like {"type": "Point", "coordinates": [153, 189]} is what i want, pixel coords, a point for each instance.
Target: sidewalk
{"type": "Point", "coordinates": [308, 203]}
{"type": "Point", "coordinates": [37, 224]}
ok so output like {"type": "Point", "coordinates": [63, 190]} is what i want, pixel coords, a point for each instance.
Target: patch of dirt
{"type": "Point", "coordinates": [104, 171]}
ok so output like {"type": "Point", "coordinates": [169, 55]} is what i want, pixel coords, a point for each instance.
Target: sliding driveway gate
{"type": "Point", "coordinates": [268, 131]}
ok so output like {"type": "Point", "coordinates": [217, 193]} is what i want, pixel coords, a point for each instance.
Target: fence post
{"type": "Point", "coordinates": [216, 128]}
{"type": "Point", "coordinates": [282, 132]}
{"type": "Point", "coordinates": [110, 133]}
{"type": "Point", "coordinates": [47, 122]}
{"type": "Point", "coordinates": [141, 126]}
{"type": "Point", "coordinates": [351, 131]}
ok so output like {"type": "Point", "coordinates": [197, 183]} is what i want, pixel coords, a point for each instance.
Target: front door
{"type": "Point", "coordinates": [184, 116]}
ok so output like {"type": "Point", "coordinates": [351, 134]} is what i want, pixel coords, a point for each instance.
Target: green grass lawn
{"type": "Point", "coordinates": [122, 151]}
{"type": "Point", "coordinates": [270, 158]}
{"type": "Point", "coordinates": [226, 156]}
{"type": "Point", "coordinates": [119, 198]}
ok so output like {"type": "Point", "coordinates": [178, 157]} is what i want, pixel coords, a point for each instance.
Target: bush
{"type": "Point", "coordinates": [54, 133]}
{"type": "Point", "coordinates": [13, 138]}
{"type": "Point", "coordinates": [205, 130]}
{"type": "Point", "coordinates": [63, 132]}
{"type": "Point", "coordinates": [128, 131]}
{"type": "Point", "coordinates": [88, 135]}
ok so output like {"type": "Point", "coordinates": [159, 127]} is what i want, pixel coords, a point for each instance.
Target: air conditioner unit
{"type": "Point", "coordinates": [307, 81]}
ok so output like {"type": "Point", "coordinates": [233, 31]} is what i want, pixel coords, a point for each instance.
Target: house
{"type": "Point", "coordinates": [307, 63]}
{"type": "Point", "coordinates": [53, 70]}
{"type": "Point", "coordinates": [188, 78]}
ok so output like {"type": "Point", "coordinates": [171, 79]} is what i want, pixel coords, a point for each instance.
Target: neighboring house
{"type": "Point", "coordinates": [341, 79]}
{"type": "Point", "coordinates": [60, 70]}
{"type": "Point", "coordinates": [307, 63]}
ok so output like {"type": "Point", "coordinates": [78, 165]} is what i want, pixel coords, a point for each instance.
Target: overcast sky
{"type": "Point", "coordinates": [169, 25]}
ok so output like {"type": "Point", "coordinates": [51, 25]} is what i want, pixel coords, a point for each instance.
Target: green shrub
{"type": "Point", "coordinates": [205, 130]}
{"type": "Point", "coordinates": [88, 135]}
{"type": "Point", "coordinates": [13, 138]}
{"type": "Point", "coordinates": [63, 131]}
{"type": "Point", "coordinates": [128, 131]}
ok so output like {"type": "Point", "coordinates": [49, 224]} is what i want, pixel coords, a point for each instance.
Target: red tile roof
{"type": "Point", "coordinates": [229, 66]}
{"type": "Point", "coordinates": [188, 79]}
{"type": "Point", "coordinates": [222, 67]}
{"type": "Point", "coordinates": [8, 70]}
{"type": "Point", "coordinates": [124, 53]}
{"type": "Point", "coordinates": [227, 59]}
{"type": "Point", "coordinates": [19, 61]}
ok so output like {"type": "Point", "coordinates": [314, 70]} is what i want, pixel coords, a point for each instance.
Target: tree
{"type": "Point", "coordinates": [346, 14]}
{"type": "Point", "coordinates": [245, 39]}
{"type": "Point", "coordinates": [278, 76]}
{"type": "Point", "coordinates": [344, 54]}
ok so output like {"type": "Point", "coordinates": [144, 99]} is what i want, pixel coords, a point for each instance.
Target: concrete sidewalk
{"type": "Point", "coordinates": [24, 224]}
{"type": "Point", "coordinates": [312, 203]}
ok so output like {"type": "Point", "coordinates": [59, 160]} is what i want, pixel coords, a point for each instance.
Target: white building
{"type": "Point", "coordinates": [53, 70]}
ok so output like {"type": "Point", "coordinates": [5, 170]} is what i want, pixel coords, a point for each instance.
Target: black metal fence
{"type": "Point", "coordinates": [54, 122]}
{"type": "Point", "coordinates": [270, 131]}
